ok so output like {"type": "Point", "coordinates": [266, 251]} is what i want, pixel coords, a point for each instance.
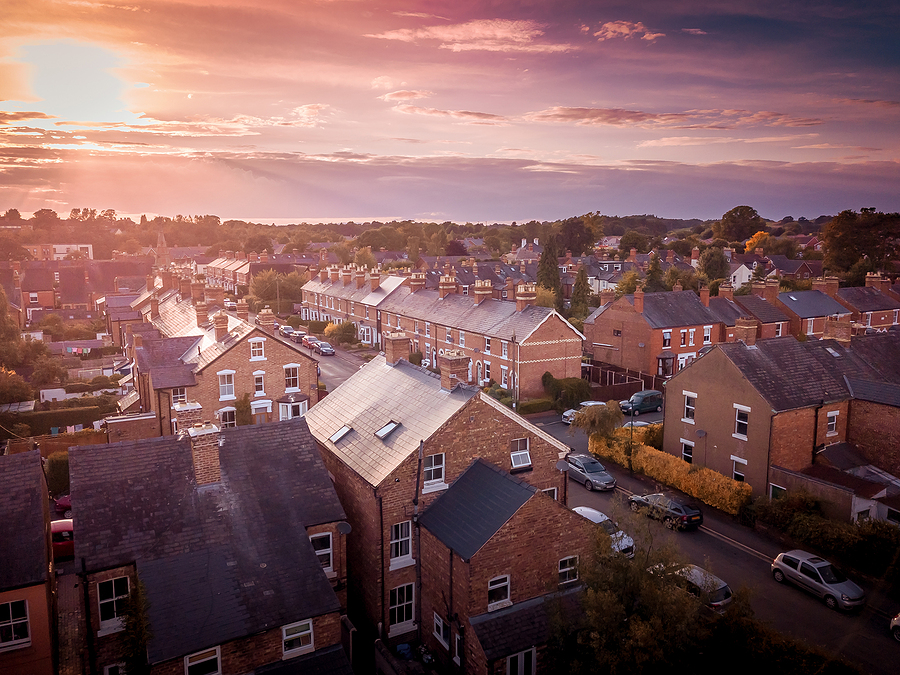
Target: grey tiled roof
{"type": "Point", "coordinates": [811, 304]}
{"type": "Point", "coordinates": [23, 540]}
{"type": "Point", "coordinates": [867, 299]}
{"type": "Point", "coordinates": [675, 308]}
{"type": "Point", "coordinates": [72, 288]}
{"type": "Point", "coordinates": [882, 352]}
{"type": "Point", "coordinates": [238, 549]}
{"type": "Point", "coordinates": [374, 395]}
{"type": "Point", "coordinates": [876, 392]}
{"type": "Point", "coordinates": [791, 374]}
{"type": "Point", "coordinates": [475, 507]}
{"type": "Point", "coordinates": [508, 631]}
{"type": "Point", "coordinates": [760, 308]}
{"type": "Point", "coordinates": [349, 292]}
{"type": "Point", "coordinates": [725, 310]}
{"type": "Point", "coordinates": [37, 279]}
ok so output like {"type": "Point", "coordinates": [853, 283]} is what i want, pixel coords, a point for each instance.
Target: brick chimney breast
{"type": "Point", "coordinates": [454, 365]}
{"type": "Point", "coordinates": [184, 287]}
{"type": "Point", "coordinates": [745, 329]}
{"type": "Point", "coordinates": [639, 300]}
{"type": "Point", "coordinates": [205, 452]}
{"type": "Point", "coordinates": [446, 286]}
{"type": "Point", "coordinates": [220, 321]}
{"type": "Point", "coordinates": [202, 316]}
{"type": "Point", "coordinates": [360, 277]}
{"type": "Point", "coordinates": [839, 329]}
{"type": "Point", "coordinates": [483, 290]}
{"type": "Point", "coordinates": [243, 310]}
{"type": "Point", "coordinates": [416, 282]}
{"type": "Point", "coordinates": [266, 320]}
{"type": "Point", "coordinates": [374, 280]}
{"type": "Point", "coordinates": [704, 295]}
{"type": "Point", "coordinates": [347, 276]}
{"type": "Point", "coordinates": [526, 295]}
{"type": "Point", "coordinates": [197, 288]}
{"type": "Point", "coordinates": [335, 273]}
{"type": "Point", "coordinates": [396, 347]}
{"type": "Point", "coordinates": [188, 413]}
{"type": "Point", "coordinates": [726, 291]}
{"type": "Point", "coordinates": [772, 288]}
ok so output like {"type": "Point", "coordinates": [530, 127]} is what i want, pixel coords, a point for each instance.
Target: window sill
{"type": "Point", "coordinates": [441, 641]}
{"type": "Point", "coordinates": [522, 469]}
{"type": "Point", "coordinates": [228, 398]}
{"type": "Point", "coordinates": [115, 626]}
{"type": "Point", "coordinates": [687, 421]}
{"type": "Point", "coordinates": [740, 437]}
{"type": "Point", "coordinates": [258, 394]}
{"type": "Point", "coordinates": [434, 487]}
{"type": "Point", "coordinates": [14, 646]}
{"type": "Point", "coordinates": [292, 390]}
{"type": "Point", "coordinates": [258, 358]}
{"type": "Point", "coordinates": [499, 605]}
{"type": "Point", "coordinates": [401, 628]}
{"type": "Point", "coordinates": [400, 563]}
{"type": "Point", "coordinates": [831, 433]}
{"type": "Point", "coordinates": [297, 652]}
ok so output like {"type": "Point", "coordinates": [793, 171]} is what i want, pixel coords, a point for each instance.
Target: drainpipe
{"type": "Point", "coordinates": [383, 599]}
{"type": "Point", "coordinates": [89, 632]}
{"type": "Point", "coordinates": [415, 519]}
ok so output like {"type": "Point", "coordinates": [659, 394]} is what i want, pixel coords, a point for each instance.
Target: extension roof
{"type": "Point", "coordinates": [875, 392]}
{"type": "Point", "coordinates": [867, 299]}
{"type": "Point", "coordinates": [219, 561]}
{"type": "Point", "coordinates": [375, 395]}
{"type": "Point", "coordinates": [475, 507]}
{"type": "Point", "coordinates": [881, 352]}
{"type": "Point", "coordinates": [791, 374]}
{"type": "Point", "coordinates": [760, 308]}
{"type": "Point", "coordinates": [23, 514]}
{"type": "Point", "coordinates": [812, 304]}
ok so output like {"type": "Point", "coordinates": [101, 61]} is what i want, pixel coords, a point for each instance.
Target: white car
{"type": "Point", "coordinates": [569, 415]}
{"type": "Point", "coordinates": [621, 542]}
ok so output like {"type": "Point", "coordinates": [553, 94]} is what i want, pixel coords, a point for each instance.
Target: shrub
{"type": "Point", "coordinates": [341, 333]}
{"type": "Point", "coordinates": [57, 468]}
{"type": "Point", "coordinates": [568, 391]}
{"type": "Point", "coordinates": [316, 326]}
{"type": "Point", "coordinates": [652, 436]}
{"type": "Point", "coordinates": [293, 321]}
{"type": "Point", "coordinates": [416, 358]}
{"type": "Point", "coordinates": [536, 405]}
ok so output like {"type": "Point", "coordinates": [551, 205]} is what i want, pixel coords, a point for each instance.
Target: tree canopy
{"type": "Point", "coordinates": [581, 292]}
{"type": "Point", "coordinates": [713, 264]}
{"type": "Point", "coordinates": [738, 224]}
{"type": "Point", "coordinates": [852, 236]}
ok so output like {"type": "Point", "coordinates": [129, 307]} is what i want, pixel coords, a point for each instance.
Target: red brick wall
{"type": "Point", "coordinates": [624, 351]}
{"type": "Point", "coordinates": [875, 430]}
{"type": "Point", "coordinates": [338, 576]}
{"type": "Point", "coordinates": [793, 439]}
{"type": "Point", "coordinates": [554, 347]}
{"type": "Point", "coordinates": [108, 647]}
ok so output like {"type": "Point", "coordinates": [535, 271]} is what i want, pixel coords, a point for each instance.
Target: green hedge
{"type": "Point", "coordinates": [57, 468]}
{"type": "Point", "coordinates": [567, 392]}
{"type": "Point", "coordinates": [42, 421]}
{"type": "Point", "coordinates": [536, 405]}
{"type": "Point", "coordinates": [316, 327]}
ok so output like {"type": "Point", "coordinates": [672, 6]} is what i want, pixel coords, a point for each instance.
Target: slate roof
{"type": "Point", "coordinates": [859, 486]}
{"type": "Point", "coordinates": [882, 352]}
{"type": "Point", "coordinates": [811, 304]}
{"type": "Point", "coordinates": [525, 624]}
{"type": "Point", "coordinates": [760, 308]}
{"type": "Point", "coordinates": [103, 273]}
{"type": "Point", "coordinates": [867, 299]}
{"type": "Point", "coordinates": [72, 287]}
{"type": "Point", "coordinates": [23, 531]}
{"type": "Point", "coordinates": [785, 265]}
{"type": "Point", "coordinates": [237, 550]}
{"type": "Point", "coordinates": [328, 661]}
{"type": "Point", "coordinates": [791, 374]}
{"type": "Point", "coordinates": [725, 310]}
{"type": "Point", "coordinates": [37, 279]}
{"type": "Point", "coordinates": [875, 392]}
{"type": "Point", "coordinates": [475, 507]}
{"type": "Point", "coordinates": [374, 395]}
{"type": "Point", "coordinates": [675, 308]}
{"type": "Point", "coordinates": [349, 292]}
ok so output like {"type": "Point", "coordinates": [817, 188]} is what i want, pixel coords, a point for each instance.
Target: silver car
{"type": "Point", "coordinates": [587, 470]}
{"type": "Point", "coordinates": [621, 542]}
{"type": "Point", "coordinates": [569, 415]}
{"type": "Point", "coordinates": [715, 594]}
{"type": "Point", "coordinates": [819, 577]}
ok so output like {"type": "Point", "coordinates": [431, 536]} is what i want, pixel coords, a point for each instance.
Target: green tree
{"type": "Point", "coordinates": [243, 411]}
{"type": "Point", "coordinates": [364, 258]}
{"type": "Point", "coordinates": [654, 282]}
{"type": "Point", "coordinates": [342, 252]}
{"type": "Point", "coordinates": [544, 297]}
{"type": "Point", "coordinates": [258, 243]}
{"type": "Point", "coordinates": [548, 271]}
{"type": "Point", "coordinates": [713, 264]}
{"type": "Point", "coordinates": [628, 284]}
{"type": "Point", "coordinates": [577, 235]}
{"type": "Point", "coordinates": [632, 239]}
{"type": "Point", "coordinates": [13, 388]}
{"type": "Point", "coordinates": [137, 631]}
{"type": "Point", "coordinates": [851, 236]}
{"type": "Point", "coordinates": [738, 224]}
{"type": "Point", "coordinates": [581, 292]}
{"type": "Point", "coordinates": [47, 370]}
{"type": "Point", "coordinates": [263, 285]}
{"type": "Point", "coordinates": [341, 333]}
{"type": "Point", "coordinates": [412, 249]}
{"type": "Point", "coordinates": [291, 285]}
{"type": "Point", "coordinates": [600, 420]}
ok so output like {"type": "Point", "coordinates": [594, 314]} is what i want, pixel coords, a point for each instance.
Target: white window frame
{"type": "Point", "coordinates": [504, 350]}
{"type": "Point", "coordinates": [487, 371]}
{"type": "Point", "coordinates": [462, 335]}
{"type": "Point", "coordinates": [257, 348]}
{"type": "Point", "coordinates": [568, 569]}
{"type": "Point", "coordinates": [227, 417]}
{"type": "Point", "coordinates": [434, 473]}
{"type": "Point", "coordinates": [416, 326]}
{"type": "Point", "coordinates": [868, 319]}
{"type": "Point", "coordinates": [457, 649]}
{"type": "Point", "coordinates": [409, 607]}
{"type": "Point", "coordinates": [551, 492]}
{"type": "Point", "coordinates": [116, 622]}
{"type": "Point", "coordinates": [32, 297]}
{"type": "Point", "coordinates": [738, 409]}
{"type": "Point", "coordinates": [487, 345]}
{"type": "Point", "coordinates": [329, 551]}
{"type": "Point", "coordinates": [896, 316]}
{"type": "Point", "coordinates": [179, 395]}
{"type": "Point", "coordinates": [498, 583]}
{"type": "Point", "coordinates": [401, 538]}
{"type": "Point", "coordinates": [226, 385]}
{"type": "Point", "coordinates": [442, 630]}
{"type": "Point", "coordinates": [778, 329]}
{"type": "Point", "coordinates": [286, 410]}
{"type": "Point", "coordinates": [689, 413]}
{"type": "Point", "coordinates": [831, 428]}
{"type": "Point", "coordinates": [504, 377]}
{"type": "Point", "coordinates": [305, 629]}
{"type": "Point", "coordinates": [810, 326]}
{"type": "Point", "coordinates": [21, 642]}
{"type": "Point", "coordinates": [742, 472]}
{"type": "Point", "coordinates": [259, 383]}
{"type": "Point", "coordinates": [707, 335]}
{"type": "Point", "coordinates": [520, 457]}
{"type": "Point", "coordinates": [288, 388]}
{"type": "Point", "coordinates": [667, 338]}
{"type": "Point", "coordinates": [687, 456]}
{"type": "Point", "coordinates": [340, 433]}
{"type": "Point", "coordinates": [203, 657]}
{"type": "Point", "coordinates": [691, 337]}
{"type": "Point", "coordinates": [684, 337]}
{"type": "Point", "coordinates": [515, 663]}
{"type": "Point", "coordinates": [427, 329]}
{"type": "Point", "coordinates": [449, 339]}
{"type": "Point", "coordinates": [773, 487]}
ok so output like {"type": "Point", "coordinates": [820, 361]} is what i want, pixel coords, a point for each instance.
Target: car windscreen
{"type": "Point", "coordinates": [831, 574]}
{"type": "Point", "coordinates": [593, 467]}
{"type": "Point", "coordinates": [720, 595]}
{"type": "Point", "coordinates": [609, 526]}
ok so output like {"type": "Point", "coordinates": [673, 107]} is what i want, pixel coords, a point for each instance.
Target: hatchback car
{"type": "Point", "coordinates": [230, 304]}
{"type": "Point", "coordinates": [591, 473]}
{"type": "Point", "coordinates": [63, 506]}
{"type": "Point", "coordinates": [298, 335]}
{"type": "Point", "coordinates": [674, 514]}
{"type": "Point", "coordinates": [649, 400]}
{"type": "Point", "coordinates": [309, 341]}
{"type": "Point", "coordinates": [61, 535]}
{"type": "Point", "coordinates": [819, 577]}
{"type": "Point", "coordinates": [324, 349]}
{"type": "Point", "coordinates": [286, 330]}
{"type": "Point", "coordinates": [621, 542]}
{"type": "Point", "coordinates": [714, 593]}
{"type": "Point", "coordinates": [569, 415]}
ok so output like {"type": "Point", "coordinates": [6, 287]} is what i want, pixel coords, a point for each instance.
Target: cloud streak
{"type": "Point", "coordinates": [490, 35]}
{"type": "Point", "coordinates": [626, 30]}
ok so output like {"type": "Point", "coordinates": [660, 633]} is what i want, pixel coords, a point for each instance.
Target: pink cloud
{"type": "Point", "coordinates": [493, 35]}
{"type": "Point", "coordinates": [467, 115]}
{"type": "Point", "coordinates": [7, 117]}
{"type": "Point", "coordinates": [692, 119]}
{"type": "Point", "coordinates": [626, 30]}
{"type": "Point", "coordinates": [406, 95]}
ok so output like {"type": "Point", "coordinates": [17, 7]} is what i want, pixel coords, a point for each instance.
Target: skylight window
{"type": "Point", "coordinates": [386, 430]}
{"type": "Point", "coordinates": [834, 352]}
{"type": "Point", "coordinates": [339, 434]}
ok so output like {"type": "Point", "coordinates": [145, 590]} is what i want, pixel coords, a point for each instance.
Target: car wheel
{"type": "Point", "coordinates": [830, 602]}
{"type": "Point", "coordinates": [635, 506]}
{"type": "Point", "coordinates": [68, 513]}
{"type": "Point", "coordinates": [659, 408]}
{"type": "Point", "coordinates": [588, 485]}
{"type": "Point", "coordinates": [669, 523]}
{"type": "Point", "coordinates": [778, 576]}
{"type": "Point", "coordinates": [896, 633]}
{"type": "Point", "coordinates": [636, 413]}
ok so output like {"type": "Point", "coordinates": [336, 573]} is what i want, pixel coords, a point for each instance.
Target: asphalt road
{"type": "Point", "coordinates": [742, 557]}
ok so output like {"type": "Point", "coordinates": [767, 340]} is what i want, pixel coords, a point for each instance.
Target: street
{"type": "Point", "coordinates": [742, 558]}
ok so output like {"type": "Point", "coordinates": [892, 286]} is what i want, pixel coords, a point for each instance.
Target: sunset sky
{"type": "Point", "coordinates": [481, 111]}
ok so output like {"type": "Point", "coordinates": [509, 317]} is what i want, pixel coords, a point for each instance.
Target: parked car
{"type": "Point", "coordinates": [819, 577]}
{"type": "Point", "coordinates": [588, 471]}
{"type": "Point", "coordinates": [62, 538]}
{"type": "Point", "coordinates": [298, 335]}
{"type": "Point", "coordinates": [621, 542]}
{"type": "Point", "coordinates": [895, 627]}
{"type": "Point", "coordinates": [309, 341]}
{"type": "Point", "coordinates": [230, 304]}
{"type": "Point", "coordinates": [636, 424]}
{"type": "Point", "coordinates": [674, 514]}
{"type": "Point", "coordinates": [63, 506]}
{"type": "Point", "coordinates": [286, 330]}
{"type": "Point", "coordinates": [569, 415]}
{"type": "Point", "coordinates": [714, 593]}
{"type": "Point", "coordinates": [324, 348]}
{"type": "Point", "coordinates": [649, 400]}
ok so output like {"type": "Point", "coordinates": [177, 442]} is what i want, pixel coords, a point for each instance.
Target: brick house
{"type": "Point", "coordinates": [492, 549]}
{"type": "Point", "coordinates": [760, 305]}
{"type": "Point", "coordinates": [870, 306]}
{"type": "Point", "coordinates": [808, 310]}
{"type": "Point", "coordinates": [749, 405]}
{"type": "Point", "coordinates": [236, 537]}
{"type": "Point", "coordinates": [38, 289]}
{"type": "Point", "coordinates": [390, 437]}
{"type": "Point", "coordinates": [27, 575]}
{"type": "Point", "coordinates": [186, 356]}
{"type": "Point", "coordinates": [656, 333]}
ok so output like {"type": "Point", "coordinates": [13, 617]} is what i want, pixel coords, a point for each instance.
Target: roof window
{"type": "Point", "coordinates": [834, 352]}
{"type": "Point", "coordinates": [386, 430]}
{"type": "Point", "coordinates": [339, 434]}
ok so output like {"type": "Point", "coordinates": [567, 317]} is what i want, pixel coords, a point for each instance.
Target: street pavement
{"type": "Point", "coordinates": [742, 557]}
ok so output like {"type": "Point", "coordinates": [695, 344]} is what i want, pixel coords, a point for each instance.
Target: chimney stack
{"type": "Point", "coordinates": [839, 329]}
{"type": "Point", "coordinates": [726, 290]}
{"type": "Point", "coordinates": [243, 310]}
{"type": "Point", "coordinates": [374, 280]}
{"type": "Point", "coordinates": [215, 295]}
{"type": "Point", "coordinates": [188, 413]}
{"type": "Point", "coordinates": [416, 282]}
{"type": "Point", "coordinates": [759, 289]}
{"type": "Point", "coordinates": [335, 273]}
{"type": "Point", "coordinates": [695, 257]}
{"type": "Point", "coordinates": [266, 320]}
{"type": "Point", "coordinates": [820, 285]}
{"type": "Point", "coordinates": [632, 255]}
{"type": "Point", "coordinates": [745, 328]}
{"type": "Point", "coordinates": [607, 295]}
{"type": "Point", "coordinates": [454, 365]}
{"type": "Point", "coordinates": [396, 347]}
{"type": "Point", "coordinates": [197, 291]}
{"type": "Point", "coordinates": [220, 321]}
{"type": "Point", "coordinates": [323, 273]}
{"type": "Point", "coordinates": [205, 451]}
{"type": "Point", "coordinates": [772, 288]}
{"type": "Point", "coordinates": [639, 300]}
{"type": "Point", "coordinates": [184, 287]}
{"type": "Point", "coordinates": [360, 277]}
{"type": "Point", "coordinates": [832, 284]}
{"type": "Point", "coordinates": [483, 290]}
{"type": "Point", "coordinates": [704, 295]}
{"type": "Point", "coordinates": [526, 295]}
{"type": "Point", "coordinates": [347, 276]}
{"type": "Point", "coordinates": [323, 257]}
{"type": "Point", "coordinates": [154, 306]}
{"type": "Point", "coordinates": [202, 315]}
{"type": "Point", "coordinates": [677, 287]}
{"type": "Point", "coordinates": [446, 286]}
{"type": "Point", "coordinates": [151, 280]}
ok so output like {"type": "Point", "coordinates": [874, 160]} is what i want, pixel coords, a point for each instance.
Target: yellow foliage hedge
{"type": "Point", "coordinates": [704, 484]}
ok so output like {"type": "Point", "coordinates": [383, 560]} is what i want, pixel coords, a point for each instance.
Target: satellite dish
{"type": "Point", "coordinates": [344, 528]}
{"type": "Point", "coordinates": [562, 465]}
